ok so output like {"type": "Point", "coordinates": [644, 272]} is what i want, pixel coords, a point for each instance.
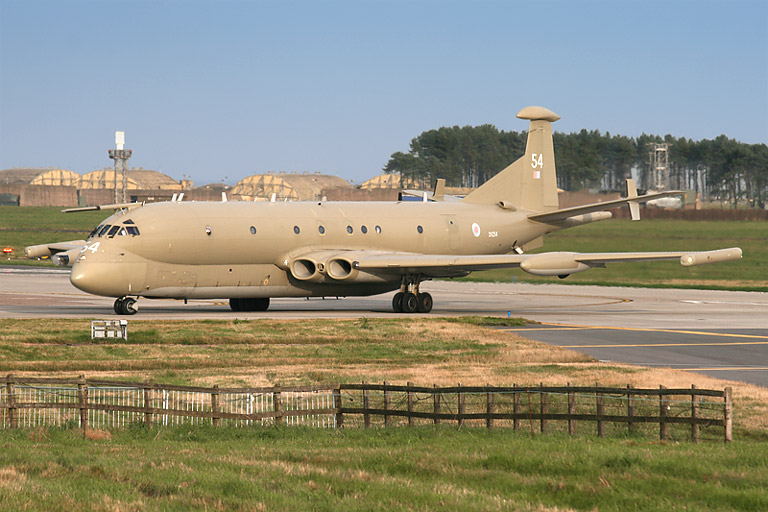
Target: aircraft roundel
{"type": "Point", "coordinates": [476, 229]}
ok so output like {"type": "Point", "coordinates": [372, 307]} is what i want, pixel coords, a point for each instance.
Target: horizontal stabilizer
{"type": "Point", "coordinates": [557, 216]}
{"type": "Point", "coordinates": [116, 206]}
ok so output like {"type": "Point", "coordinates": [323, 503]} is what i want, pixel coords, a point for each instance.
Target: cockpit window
{"type": "Point", "coordinates": [128, 221]}
{"type": "Point", "coordinates": [95, 230]}
{"type": "Point", "coordinates": [122, 232]}
{"type": "Point", "coordinates": [113, 231]}
{"type": "Point", "coordinates": [104, 230]}
{"type": "Point", "coordinates": [132, 230]}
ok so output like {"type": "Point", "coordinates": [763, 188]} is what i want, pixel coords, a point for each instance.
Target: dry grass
{"type": "Point", "coordinates": [267, 352]}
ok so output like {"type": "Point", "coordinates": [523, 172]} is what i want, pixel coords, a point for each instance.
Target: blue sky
{"type": "Point", "coordinates": [219, 90]}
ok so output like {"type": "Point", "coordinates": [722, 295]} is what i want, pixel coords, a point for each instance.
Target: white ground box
{"type": "Point", "coordinates": [109, 329]}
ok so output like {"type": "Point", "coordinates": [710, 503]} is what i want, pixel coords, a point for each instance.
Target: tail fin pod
{"type": "Point", "coordinates": [530, 182]}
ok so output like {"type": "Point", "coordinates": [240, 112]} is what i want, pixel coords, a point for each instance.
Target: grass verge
{"type": "Point", "coordinates": [426, 468]}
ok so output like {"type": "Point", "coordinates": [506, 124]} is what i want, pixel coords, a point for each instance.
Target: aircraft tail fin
{"type": "Point", "coordinates": [530, 182]}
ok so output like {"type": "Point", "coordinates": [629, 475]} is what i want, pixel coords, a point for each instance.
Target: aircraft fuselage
{"type": "Point", "coordinates": [246, 249]}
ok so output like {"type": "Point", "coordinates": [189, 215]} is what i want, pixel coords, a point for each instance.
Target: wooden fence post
{"type": "Point", "coordinates": [82, 396]}
{"type": "Point", "coordinates": [149, 404]}
{"type": "Point", "coordinates": [13, 419]}
{"type": "Point", "coordinates": [436, 399]}
{"type": "Point", "coordinates": [515, 408]}
{"type": "Point", "coordinates": [571, 400]}
{"type": "Point", "coordinates": [630, 409]}
{"type": "Point", "coordinates": [543, 409]}
{"type": "Point", "coordinates": [694, 414]}
{"type": "Point", "coordinates": [600, 427]}
{"type": "Point", "coordinates": [461, 406]}
{"type": "Point", "coordinates": [337, 405]}
{"type": "Point", "coordinates": [489, 399]}
{"type": "Point", "coordinates": [662, 416]}
{"type": "Point", "coordinates": [366, 416]}
{"type": "Point", "coordinates": [215, 406]}
{"type": "Point", "coordinates": [277, 400]}
{"type": "Point", "coordinates": [410, 403]}
{"type": "Point", "coordinates": [728, 420]}
{"type": "Point", "coordinates": [386, 404]}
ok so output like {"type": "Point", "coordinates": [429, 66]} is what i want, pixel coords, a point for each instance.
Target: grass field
{"type": "Point", "coordinates": [425, 468]}
{"type": "Point", "coordinates": [20, 227]}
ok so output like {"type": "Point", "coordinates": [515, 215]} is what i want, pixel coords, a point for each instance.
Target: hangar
{"type": "Point", "coordinates": [288, 186]}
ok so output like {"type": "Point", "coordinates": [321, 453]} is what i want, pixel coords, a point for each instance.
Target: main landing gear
{"type": "Point", "coordinates": [409, 299]}
{"type": "Point", "coordinates": [249, 304]}
{"type": "Point", "coordinates": [126, 306]}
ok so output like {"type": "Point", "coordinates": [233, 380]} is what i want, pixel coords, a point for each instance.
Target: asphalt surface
{"type": "Point", "coordinates": [722, 334]}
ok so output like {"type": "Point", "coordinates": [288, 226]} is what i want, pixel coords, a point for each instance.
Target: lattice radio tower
{"type": "Point", "coordinates": [659, 165]}
{"type": "Point", "coordinates": [120, 156]}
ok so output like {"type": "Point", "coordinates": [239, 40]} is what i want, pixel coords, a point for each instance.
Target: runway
{"type": "Point", "coordinates": [723, 334]}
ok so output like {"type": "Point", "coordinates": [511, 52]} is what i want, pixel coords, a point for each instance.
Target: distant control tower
{"type": "Point", "coordinates": [120, 156]}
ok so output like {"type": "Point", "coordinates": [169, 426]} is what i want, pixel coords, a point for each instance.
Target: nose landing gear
{"type": "Point", "coordinates": [126, 306]}
{"type": "Point", "coordinates": [409, 299]}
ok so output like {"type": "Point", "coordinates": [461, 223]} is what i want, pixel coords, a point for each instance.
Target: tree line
{"type": "Point", "coordinates": [720, 169]}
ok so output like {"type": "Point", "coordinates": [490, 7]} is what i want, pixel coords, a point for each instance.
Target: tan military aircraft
{"type": "Point", "coordinates": [249, 252]}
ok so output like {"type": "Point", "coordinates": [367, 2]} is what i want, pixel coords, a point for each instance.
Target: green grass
{"type": "Point", "coordinates": [751, 273]}
{"type": "Point", "coordinates": [423, 468]}
{"type": "Point", "coordinates": [20, 227]}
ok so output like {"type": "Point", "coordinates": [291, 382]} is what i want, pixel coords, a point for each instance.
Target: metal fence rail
{"type": "Point", "coordinates": [86, 403]}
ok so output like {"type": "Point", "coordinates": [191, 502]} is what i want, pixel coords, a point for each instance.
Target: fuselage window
{"type": "Point", "coordinates": [296, 229]}
{"type": "Point", "coordinates": [113, 231]}
{"type": "Point", "coordinates": [420, 229]}
{"type": "Point", "coordinates": [104, 230]}
{"type": "Point", "coordinates": [378, 230]}
{"type": "Point", "coordinates": [349, 229]}
{"type": "Point", "coordinates": [132, 230]}
{"type": "Point", "coordinates": [253, 230]}
{"type": "Point", "coordinates": [364, 229]}
{"type": "Point", "coordinates": [321, 229]}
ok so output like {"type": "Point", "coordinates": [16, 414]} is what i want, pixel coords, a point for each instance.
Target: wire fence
{"type": "Point", "coordinates": [676, 414]}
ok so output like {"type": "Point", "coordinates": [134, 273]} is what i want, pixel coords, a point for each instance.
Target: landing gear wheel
{"type": "Point", "coordinates": [126, 306]}
{"type": "Point", "coordinates": [249, 304]}
{"type": "Point", "coordinates": [424, 303]}
{"type": "Point", "coordinates": [256, 304]}
{"type": "Point", "coordinates": [410, 303]}
{"type": "Point", "coordinates": [397, 302]}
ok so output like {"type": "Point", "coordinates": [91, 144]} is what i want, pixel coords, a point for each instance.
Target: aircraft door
{"type": "Point", "coordinates": [453, 231]}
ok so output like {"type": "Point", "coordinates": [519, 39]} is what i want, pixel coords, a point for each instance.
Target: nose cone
{"type": "Point", "coordinates": [92, 278]}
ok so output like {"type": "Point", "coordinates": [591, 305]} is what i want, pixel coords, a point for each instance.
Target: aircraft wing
{"type": "Point", "coordinates": [560, 215]}
{"type": "Point", "coordinates": [61, 253]}
{"type": "Point", "coordinates": [545, 264]}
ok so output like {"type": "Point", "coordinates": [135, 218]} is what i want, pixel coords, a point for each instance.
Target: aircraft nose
{"type": "Point", "coordinates": [109, 279]}
{"type": "Point", "coordinates": [89, 277]}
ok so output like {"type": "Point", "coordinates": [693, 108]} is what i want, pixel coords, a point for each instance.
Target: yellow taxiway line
{"type": "Point", "coordinates": [565, 327]}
